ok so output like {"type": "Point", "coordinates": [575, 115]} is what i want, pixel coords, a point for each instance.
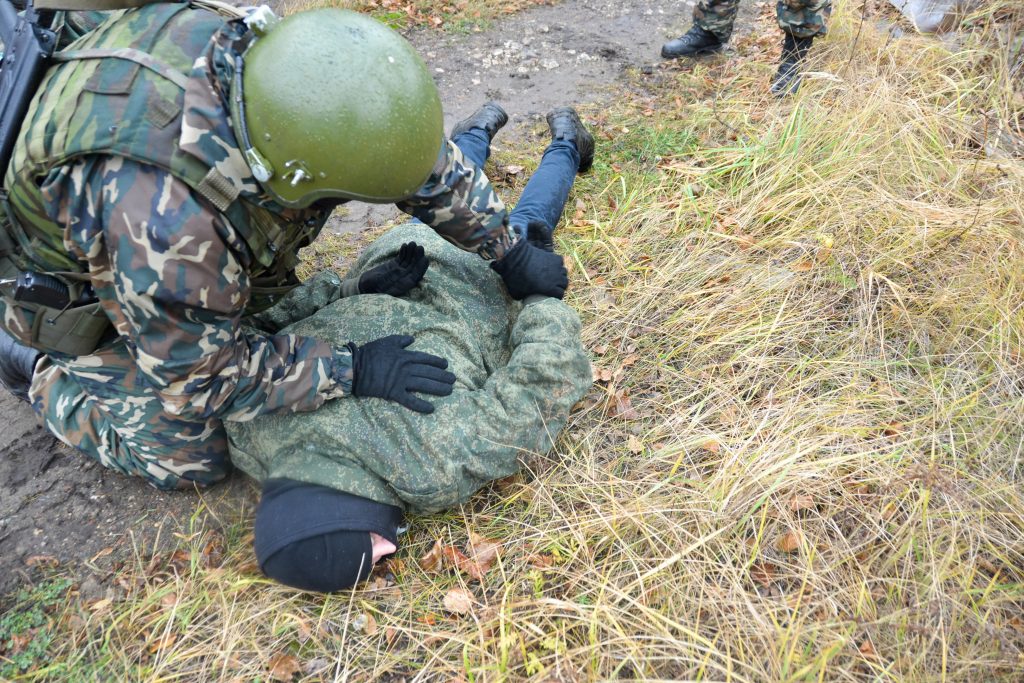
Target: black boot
{"type": "Point", "coordinates": [17, 363]}
{"type": "Point", "coordinates": [565, 124]}
{"type": "Point", "coordinates": [488, 118]}
{"type": "Point", "coordinates": [787, 79]}
{"type": "Point", "coordinates": [694, 42]}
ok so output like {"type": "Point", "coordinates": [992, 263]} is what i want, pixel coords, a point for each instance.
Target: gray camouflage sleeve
{"type": "Point", "coordinates": [170, 274]}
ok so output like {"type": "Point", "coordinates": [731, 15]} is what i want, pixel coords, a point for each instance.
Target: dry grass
{"type": "Point", "coordinates": [804, 462]}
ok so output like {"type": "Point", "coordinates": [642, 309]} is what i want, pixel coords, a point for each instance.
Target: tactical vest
{"type": "Point", "coordinates": [129, 89]}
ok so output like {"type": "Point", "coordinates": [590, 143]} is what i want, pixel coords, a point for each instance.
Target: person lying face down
{"type": "Point", "coordinates": [337, 482]}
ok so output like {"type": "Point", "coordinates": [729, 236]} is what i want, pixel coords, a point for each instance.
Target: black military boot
{"type": "Point", "coordinates": [17, 363]}
{"type": "Point", "coordinates": [787, 79]}
{"type": "Point", "coordinates": [489, 118]}
{"type": "Point", "coordinates": [694, 42]}
{"type": "Point", "coordinates": [565, 124]}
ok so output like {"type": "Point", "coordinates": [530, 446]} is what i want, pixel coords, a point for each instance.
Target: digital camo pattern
{"type": "Point", "coordinates": [519, 371]}
{"type": "Point", "coordinates": [802, 18]}
{"type": "Point", "coordinates": [175, 277]}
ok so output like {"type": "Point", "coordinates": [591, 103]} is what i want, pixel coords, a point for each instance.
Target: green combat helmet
{"type": "Point", "coordinates": [335, 105]}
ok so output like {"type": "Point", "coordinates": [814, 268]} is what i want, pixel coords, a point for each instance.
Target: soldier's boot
{"type": "Point", "coordinates": [565, 124]}
{"type": "Point", "coordinates": [489, 118]}
{"type": "Point", "coordinates": [694, 42]}
{"type": "Point", "coordinates": [787, 78]}
{"type": "Point", "coordinates": [17, 363]}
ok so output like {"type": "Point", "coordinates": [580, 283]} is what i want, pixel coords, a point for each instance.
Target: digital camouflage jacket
{"type": "Point", "coordinates": [519, 369]}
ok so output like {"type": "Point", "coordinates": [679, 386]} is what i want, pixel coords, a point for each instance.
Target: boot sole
{"type": "Point", "coordinates": [695, 53]}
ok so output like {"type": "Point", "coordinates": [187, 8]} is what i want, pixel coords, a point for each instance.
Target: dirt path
{"type": "Point", "coordinates": [57, 506]}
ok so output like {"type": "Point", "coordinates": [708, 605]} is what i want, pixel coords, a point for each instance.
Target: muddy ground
{"type": "Point", "coordinates": [58, 507]}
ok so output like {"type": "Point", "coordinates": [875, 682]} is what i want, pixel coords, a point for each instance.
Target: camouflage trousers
{"type": "Point", "coordinates": [101, 405]}
{"type": "Point", "coordinates": [802, 18]}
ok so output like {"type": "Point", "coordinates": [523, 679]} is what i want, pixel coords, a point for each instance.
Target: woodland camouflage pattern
{"type": "Point", "coordinates": [802, 18]}
{"type": "Point", "coordinates": [112, 179]}
{"type": "Point", "coordinates": [519, 369]}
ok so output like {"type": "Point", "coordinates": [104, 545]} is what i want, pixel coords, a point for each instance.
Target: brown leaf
{"type": "Point", "coordinates": [801, 501]}
{"type": "Point", "coordinates": [371, 624]}
{"type": "Point", "coordinates": [712, 445]}
{"type": "Point", "coordinates": [163, 643]}
{"type": "Point", "coordinates": [101, 605]}
{"type": "Point", "coordinates": [283, 667]}
{"type": "Point", "coordinates": [169, 600]}
{"type": "Point", "coordinates": [41, 561]}
{"type": "Point", "coordinates": [790, 542]}
{"type": "Point", "coordinates": [390, 633]}
{"type": "Point", "coordinates": [431, 562]}
{"type": "Point", "coordinates": [764, 573]}
{"type": "Point", "coordinates": [631, 359]}
{"type": "Point", "coordinates": [892, 429]}
{"type": "Point", "coordinates": [459, 601]}
{"type": "Point", "coordinates": [801, 266]}
{"type": "Point", "coordinates": [540, 561]}
{"type": "Point", "coordinates": [103, 553]}
{"type": "Point", "coordinates": [483, 550]}
{"type": "Point", "coordinates": [635, 445]}
{"type": "Point", "coordinates": [623, 407]}
{"type": "Point", "coordinates": [514, 169]}
{"type": "Point", "coordinates": [867, 649]}
{"type": "Point", "coordinates": [601, 349]}
{"type": "Point", "coordinates": [601, 374]}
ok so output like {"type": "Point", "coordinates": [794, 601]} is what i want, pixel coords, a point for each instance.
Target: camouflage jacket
{"type": "Point", "coordinates": [519, 369]}
{"type": "Point", "coordinates": [174, 270]}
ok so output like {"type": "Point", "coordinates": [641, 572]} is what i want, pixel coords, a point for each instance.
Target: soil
{"type": "Point", "coordinates": [59, 508]}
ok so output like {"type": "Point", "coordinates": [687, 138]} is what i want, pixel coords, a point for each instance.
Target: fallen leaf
{"type": "Point", "coordinates": [892, 429]}
{"type": "Point", "coordinates": [371, 624]}
{"type": "Point", "coordinates": [101, 605]}
{"type": "Point", "coordinates": [483, 550]}
{"type": "Point", "coordinates": [623, 407]}
{"type": "Point", "coordinates": [163, 643]}
{"type": "Point", "coordinates": [801, 266]}
{"type": "Point", "coordinates": [432, 560]}
{"type": "Point", "coordinates": [635, 445]}
{"type": "Point", "coordinates": [711, 445]}
{"type": "Point", "coordinates": [169, 600]}
{"type": "Point", "coordinates": [458, 601]}
{"type": "Point", "coordinates": [390, 633]}
{"type": "Point", "coordinates": [764, 573]}
{"type": "Point", "coordinates": [283, 667]}
{"type": "Point", "coordinates": [601, 349]}
{"type": "Point", "coordinates": [514, 169]}
{"type": "Point", "coordinates": [103, 553]}
{"type": "Point", "coordinates": [801, 501]}
{"type": "Point", "coordinates": [631, 359]}
{"type": "Point", "coordinates": [41, 561]}
{"type": "Point", "coordinates": [790, 542]}
{"type": "Point", "coordinates": [867, 649]}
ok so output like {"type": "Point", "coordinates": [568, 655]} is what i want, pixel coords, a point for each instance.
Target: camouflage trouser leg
{"type": "Point", "coordinates": [102, 406]}
{"type": "Point", "coordinates": [803, 18]}
{"type": "Point", "coordinates": [716, 16]}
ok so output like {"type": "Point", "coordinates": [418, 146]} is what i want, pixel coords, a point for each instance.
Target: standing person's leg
{"type": "Point", "coordinates": [802, 21]}
{"type": "Point", "coordinates": [712, 27]}
{"type": "Point", "coordinates": [571, 151]}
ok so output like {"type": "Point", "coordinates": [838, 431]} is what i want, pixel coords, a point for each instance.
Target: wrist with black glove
{"type": "Point", "coordinates": [384, 368]}
{"type": "Point", "coordinates": [527, 269]}
{"type": "Point", "coordinates": [397, 276]}
{"type": "Point", "coordinates": [540, 235]}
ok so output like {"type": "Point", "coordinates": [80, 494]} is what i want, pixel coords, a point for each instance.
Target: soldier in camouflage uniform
{"type": "Point", "coordinates": [800, 20]}
{"type": "Point", "coordinates": [136, 183]}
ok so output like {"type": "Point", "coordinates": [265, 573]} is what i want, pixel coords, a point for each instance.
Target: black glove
{"type": "Point", "coordinates": [540, 235]}
{"type": "Point", "coordinates": [383, 368]}
{"type": "Point", "coordinates": [527, 270]}
{"type": "Point", "coordinates": [397, 276]}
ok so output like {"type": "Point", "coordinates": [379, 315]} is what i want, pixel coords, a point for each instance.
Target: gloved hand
{"type": "Point", "coordinates": [527, 269]}
{"type": "Point", "coordinates": [540, 235]}
{"type": "Point", "coordinates": [397, 276]}
{"type": "Point", "coordinates": [385, 369]}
